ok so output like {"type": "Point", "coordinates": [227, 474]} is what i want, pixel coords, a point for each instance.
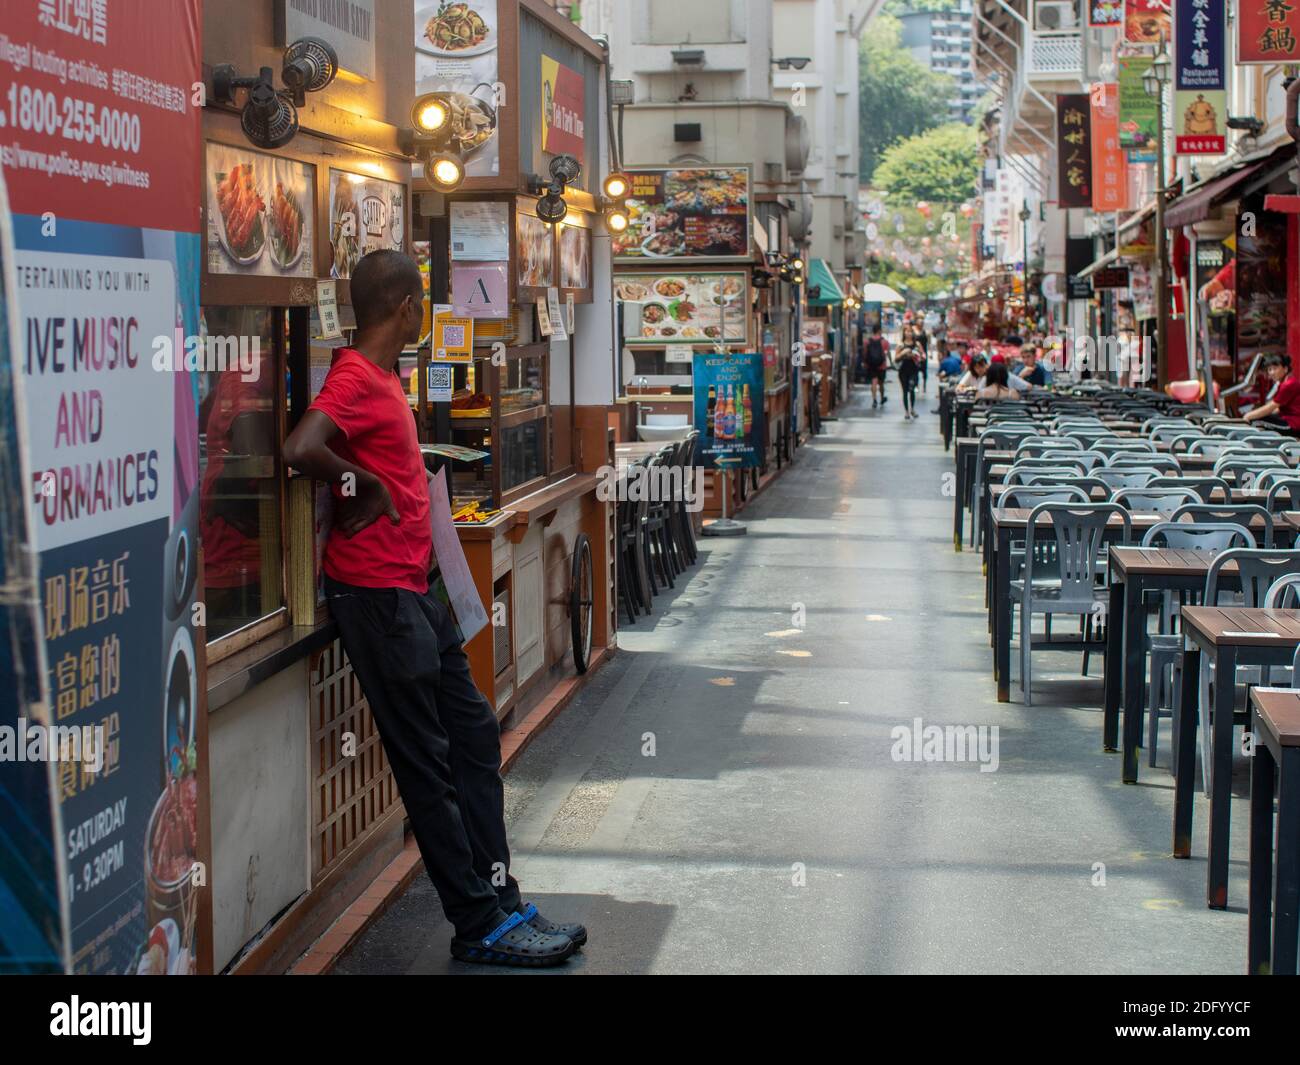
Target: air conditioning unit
{"type": "Point", "coordinates": [1056, 15]}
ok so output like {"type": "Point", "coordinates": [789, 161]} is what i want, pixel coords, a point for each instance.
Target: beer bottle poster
{"type": "Point", "coordinates": [729, 406]}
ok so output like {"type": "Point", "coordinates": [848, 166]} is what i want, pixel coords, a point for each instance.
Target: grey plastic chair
{"type": "Point", "coordinates": [1243, 474]}
{"type": "Point", "coordinates": [1126, 477]}
{"type": "Point", "coordinates": [1165, 463]}
{"type": "Point", "coordinates": [1243, 514]}
{"type": "Point", "coordinates": [1088, 483]}
{"type": "Point", "coordinates": [999, 439]}
{"type": "Point", "coordinates": [1032, 468]}
{"type": "Point", "coordinates": [1124, 447]}
{"type": "Point", "coordinates": [1148, 500]}
{"type": "Point", "coordinates": [1080, 533]}
{"type": "Point", "coordinates": [1283, 494]}
{"type": "Point", "coordinates": [1167, 645]}
{"type": "Point", "coordinates": [1036, 448]}
{"type": "Point", "coordinates": [1203, 487]}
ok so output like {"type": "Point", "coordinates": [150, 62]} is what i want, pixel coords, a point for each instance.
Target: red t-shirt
{"type": "Point", "coordinates": [1288, 401]}
{"type": "Point", "coordinates": [370, 409]}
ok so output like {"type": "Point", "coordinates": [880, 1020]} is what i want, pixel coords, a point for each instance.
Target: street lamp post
{"type": "Point", "coordinates": [1024, 253]}
{"type": "Point", "coordinates": [1154, 82]}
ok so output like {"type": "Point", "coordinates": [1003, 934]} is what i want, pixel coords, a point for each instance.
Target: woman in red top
{"type": "Point", "coordinates": [1282, 408]}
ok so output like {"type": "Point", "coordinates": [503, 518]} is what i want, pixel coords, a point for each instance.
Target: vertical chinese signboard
{"type": "Point", "coordinates": [729, 414]}
{"type": "Point", "coordinates": [1074, 149]}
{"type": "Point", "coordinates": [1109, 168]}
{"type": "Point", "coordinates": [101, 148]}
{"type": "Point", "coordinates": [1267, 31]}
{"type": "Point", "coordinates": [1200, 78]}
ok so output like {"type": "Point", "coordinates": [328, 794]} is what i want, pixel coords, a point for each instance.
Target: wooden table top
{"type": "Point", "coordinates": [1018, 518]}
{"type": "Point", "coordinates": [1174, 561]}
{"type": "Point", "coordinates": [1279, 713]}
{"type": "Point", "coordinates": [1239, 626]}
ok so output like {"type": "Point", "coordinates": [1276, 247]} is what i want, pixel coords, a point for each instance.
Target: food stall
{"type": "Point", "coordinates": [514, 327]}
{"type": "Point", "coordinates": [685, 271]}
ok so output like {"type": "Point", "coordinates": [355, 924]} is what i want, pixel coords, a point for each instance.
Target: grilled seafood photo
{"type": "Point", "coordinates": [286, 224]}
{"type": "Point", "coordinates": [241, 206]}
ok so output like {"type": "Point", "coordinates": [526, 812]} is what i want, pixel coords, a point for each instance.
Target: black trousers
{"type": "Point", "coordinates": [442, 740]}
{"type": "Point", "coordinates": [908, 383]}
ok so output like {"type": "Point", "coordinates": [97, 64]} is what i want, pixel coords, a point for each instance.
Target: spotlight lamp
{"type": "Point", "coordinates": [617, 219]}
{"type": "Point", "coordinates": [797, 264]}
{"type": "Point", "coordinates": [445, 170]}
{"type": "Point", "coordinates": [269, 117]}
{"type": "Point", "coordinates": [617, 186]}
{"type": "Point", "coordinates": [430, 113]}
{"type": "Point", "coordinates": [430, 141]}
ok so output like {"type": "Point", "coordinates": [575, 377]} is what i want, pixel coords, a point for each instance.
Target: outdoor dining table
{"type": "Point", "coordinates": [1007, 522]}
{"type": "Point", "coordinates": [1231, 637]}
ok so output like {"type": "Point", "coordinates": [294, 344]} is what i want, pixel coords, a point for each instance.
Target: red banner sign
{"type": "Point", "coordinates": [98, 112]}
{"type": "Point", "coordinates": [1268, 31]}
{"type": "Point", "coordinates": [563, 109]}
{"type": "Point", "coordinates": [1109, 165]}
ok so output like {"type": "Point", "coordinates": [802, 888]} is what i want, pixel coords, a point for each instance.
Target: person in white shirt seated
{"type": "Point", "coordinates": [973, 378]}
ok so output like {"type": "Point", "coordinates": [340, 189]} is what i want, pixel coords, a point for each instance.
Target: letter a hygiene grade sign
{"type": "Point", "coordinates": [100, 146]}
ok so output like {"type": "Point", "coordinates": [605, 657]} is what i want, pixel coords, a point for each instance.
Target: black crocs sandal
{"type": "Point", "coordinates": [535, 920]}
{"type": "Point", "coordinates": [514, 942]}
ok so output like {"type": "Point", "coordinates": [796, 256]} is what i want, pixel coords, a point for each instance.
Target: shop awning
{"type": "Point", "coordinates": [819, 273]}
{"type": "Point", "coordinates": [1196, 205]}
{"type": "Point", "coordinates": [1100, 264]}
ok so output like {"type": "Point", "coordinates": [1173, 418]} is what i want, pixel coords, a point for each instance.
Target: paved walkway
{"type": "Point", "coordinates": [723, 797]}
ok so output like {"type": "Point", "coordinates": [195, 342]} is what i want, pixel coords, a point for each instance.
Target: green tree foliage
{"type": "Point", "coordinates": [899, 96]}
{"type": "Point", "coordinates": [940, 166]}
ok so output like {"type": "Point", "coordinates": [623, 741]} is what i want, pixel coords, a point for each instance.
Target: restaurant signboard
{"type": "Point", "coordinates": [684, 308]}
{"type": "Point", "coordinates": [563, 109]}
{"type": "Point", "coordinates": [108, 265]}
{"type": "Point", "coordinates": [1200, 78]}
{"type": "Point", "coordinates": [699, 213]}
{"type": "Point", "coordinates": [1146, 21]}
{"type": "Point", "coordinates": [1103, 13]}
{"type": "Point", "coordinates": [1074, 149]}
{"type": "Point", "coordinates": [1268, 31]}
{"type": "Point", "coordinates": [1109, 167]}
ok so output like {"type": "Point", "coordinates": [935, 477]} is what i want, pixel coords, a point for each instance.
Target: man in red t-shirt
{"type": "Point", "coordinates": [441, 735]}
{"type": "Point", "coordinates": [1282, 409]}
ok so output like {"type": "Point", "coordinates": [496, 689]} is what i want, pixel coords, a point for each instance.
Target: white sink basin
{"type": "Point", "coordinates": [656, 433]}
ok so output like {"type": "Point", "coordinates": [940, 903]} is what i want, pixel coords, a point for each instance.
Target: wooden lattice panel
{"type": "Point", "coordinates": [351, 793]}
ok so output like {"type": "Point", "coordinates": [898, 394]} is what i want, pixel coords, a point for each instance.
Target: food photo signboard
{"type": "Point", "coordinates": [680, 308]}
{"type": "Point", "coordinates": [575, 257]}
{"type": "Point", "coordinates": [261, 213]}
{"type": "Point", "coordinates": [366, 214]}
{"type": "Point", "coordinates": [700, 213]}
{"type": "Point", "coordinates": [457, 52]}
